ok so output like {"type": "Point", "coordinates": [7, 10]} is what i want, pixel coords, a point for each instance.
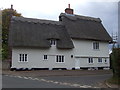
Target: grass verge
{"type": "Point", "coordinates": [114, 80]}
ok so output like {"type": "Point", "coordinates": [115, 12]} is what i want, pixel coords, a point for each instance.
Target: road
{"type": "Point", "coordinates": [88, 81]}
{"type": "Point", "coordinates": [21, 82]}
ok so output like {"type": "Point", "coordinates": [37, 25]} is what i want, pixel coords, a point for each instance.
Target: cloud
{"type": "Point", "coordinates": [50, 9]}
{"type": "Point", "coordinates": [106, 11]}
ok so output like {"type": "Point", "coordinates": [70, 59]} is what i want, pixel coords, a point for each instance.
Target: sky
{"type": "Point", "coordinates": [106, 10]}
{"type": "Point", "coordinates": [119, 24]}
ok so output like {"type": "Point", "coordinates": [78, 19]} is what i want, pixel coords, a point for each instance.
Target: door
{"type": "Point", "coordinates": [77, 63]}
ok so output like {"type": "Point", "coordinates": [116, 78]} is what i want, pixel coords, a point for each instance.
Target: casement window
{"type": "Point", "coordinates": [90, 60]}
{"type": "Point", "coordinates": [45, 57]}
{"type": "Point", "coordinates": [96, 45]}
{"type": "Point", "coordinates": [52, 42]}
{"type": "Point", "coordinates": [60, 59]}
{"type": "Point", "coordinates": [23, 58]}
{"type": "Point", "coordinates": [99, 60]}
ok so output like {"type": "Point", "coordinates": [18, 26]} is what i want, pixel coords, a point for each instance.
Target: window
{"type": "Point", "coordinates": [99, 60]}
{"type": "Point", "coordinates": [23, 57]}
{"type": "Point", "coordinates": [53, 42]}
{"type": "Point", "coordinates": [96, 45]}
{"type": "Point", "coordinates": [60, 58]}
{"type": "Point", "coordinates": [71, 56]}
{"type": "Point", "coordinates": [45, 57]}
{"type": "Point", "coordinates": [90, 60]}
{"type": "Point", "coordinates": [105, 60]}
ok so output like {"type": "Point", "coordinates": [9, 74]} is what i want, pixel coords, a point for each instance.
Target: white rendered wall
{"type": "Point", "coordinates": [83, 50]}
{"type": "Point", "coordinates": [83, 62]}
{"type": "Point", "coordinates": [35, 58]}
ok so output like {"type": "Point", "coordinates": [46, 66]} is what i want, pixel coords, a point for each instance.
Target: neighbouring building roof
{"type": "Point", "coordinates": [83, 27]}
{"type": "Point", "coordinates": [28, 32]}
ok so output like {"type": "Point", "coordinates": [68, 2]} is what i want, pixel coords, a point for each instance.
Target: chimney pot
{"type": "Point", "coordinates": [68, 5]}
{"type": "Point", "coordinates": [69, 10]}
{"type": "Point", "coordinates": [11, 7]}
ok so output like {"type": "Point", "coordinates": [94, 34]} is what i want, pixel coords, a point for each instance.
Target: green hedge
{"type": "Point", "coordinates": [115, 58]}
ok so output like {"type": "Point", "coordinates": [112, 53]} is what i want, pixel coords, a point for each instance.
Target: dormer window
{"type": "Point", "coordinates": [53, 42]}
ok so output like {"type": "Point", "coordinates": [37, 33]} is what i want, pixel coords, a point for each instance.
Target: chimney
{"type": "Point", "coordinates": [69, 10]}
{"type": "Point", "coordinates": [11, 7]}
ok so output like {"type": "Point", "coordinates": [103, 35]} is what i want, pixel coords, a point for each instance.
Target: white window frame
{"type": "Point", "coordinates": [100, 60]}
{"type": "Point", "coordinates": [53, 42]}
{"type": "Point", "coordinates": [45, 56]}
{"type": "Point", "coordinates": [60, 59]}
{"type": "Point", "coordinates": [96, 45]}
{"type": "Point", "coordinates": [90, 60]}
{"type": "Point", "coordinates": [22, 57]}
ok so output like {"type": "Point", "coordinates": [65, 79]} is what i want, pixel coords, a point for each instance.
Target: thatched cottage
{"type": "Point", "coordinates": [73, 42]}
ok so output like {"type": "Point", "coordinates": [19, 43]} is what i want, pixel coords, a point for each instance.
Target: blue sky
{"type": "Point", "coordinates": [106, 10]}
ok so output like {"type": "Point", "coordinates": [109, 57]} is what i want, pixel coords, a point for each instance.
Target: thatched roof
{"type": "Point", "coordinates": [27, 32]}
{"type": "Point", "coordinates": [83, 27]}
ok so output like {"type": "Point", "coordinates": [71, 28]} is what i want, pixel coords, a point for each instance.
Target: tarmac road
{"type": "Point", "coordinates": [16, 82]}
{"type": "Point", "coordinates": [88, 81]}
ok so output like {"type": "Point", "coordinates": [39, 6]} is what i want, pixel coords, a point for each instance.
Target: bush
{"type": "Point", "coordinates": [115, 58]}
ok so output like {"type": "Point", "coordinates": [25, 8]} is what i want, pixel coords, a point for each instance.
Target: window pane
{"type": "Point", "coordinates": [50, 42]}
{"type": "Point", "coordinates": [53, 42]}
{"type": "Point", "coordinates": [20, 57]}
{"type": "Point", "coordinates": [25, 57]}
{"type": "Point", "coordinates": [45, 56]}
{"type": "Point", "coordinates": [90, 60]}
{"type": "Point", "coordinates": [57, 58]}
{"type": "Point", "coordinates": [62, 58]}
{"type": "Point", "coordinates": [99, 59]}
{"type": "Point", "coordinates": [95, 45]}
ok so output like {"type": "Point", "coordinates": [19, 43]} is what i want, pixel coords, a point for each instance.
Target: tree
{"type": "Point", "coordinates": [6, 18]}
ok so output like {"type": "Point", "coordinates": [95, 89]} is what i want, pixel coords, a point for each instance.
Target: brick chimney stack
{"type": "Point", "coordinates": [69, 10]}
{"type": "Point", "coordinates": [11, 7]}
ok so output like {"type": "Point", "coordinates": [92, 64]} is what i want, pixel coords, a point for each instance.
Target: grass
{"type": "Point", "coordinates": [114, 80]}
